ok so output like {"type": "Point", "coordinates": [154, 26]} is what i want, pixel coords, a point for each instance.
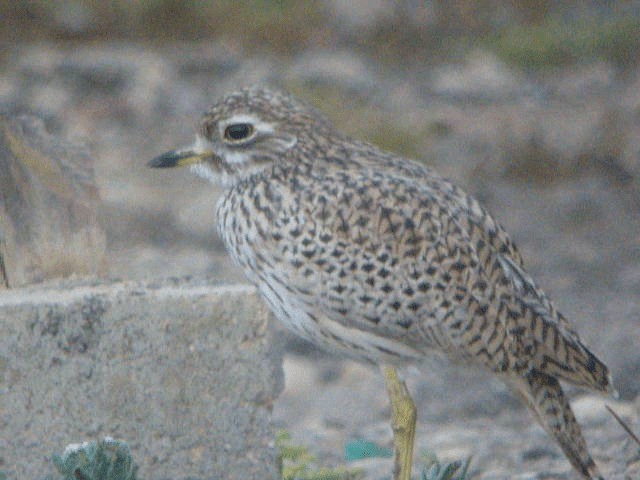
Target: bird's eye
{"type": "Point", "coordinates": [238, 131]}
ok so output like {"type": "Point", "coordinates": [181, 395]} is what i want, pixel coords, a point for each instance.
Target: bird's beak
{"type": "Point", "coordinates": [179, 158]}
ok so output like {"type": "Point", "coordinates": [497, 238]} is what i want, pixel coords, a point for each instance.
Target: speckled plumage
{"type": "Point", "coordinates": [365, 252]}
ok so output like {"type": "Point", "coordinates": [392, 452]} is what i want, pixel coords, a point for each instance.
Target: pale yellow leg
{"type": "Point", "coordinates": [403, 422]}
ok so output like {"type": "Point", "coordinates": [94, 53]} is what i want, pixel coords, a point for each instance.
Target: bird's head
{"type": "Point", "coordinates": [244, 133]}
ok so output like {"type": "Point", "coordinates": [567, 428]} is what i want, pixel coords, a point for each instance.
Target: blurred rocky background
{"type": "Point", "coordinates": [532, 106]}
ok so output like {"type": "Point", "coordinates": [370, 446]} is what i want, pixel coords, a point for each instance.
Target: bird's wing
{"type": "Point", "coordinates": [560, 350]}
{"type": "Point", "coordinates": [414, 260]}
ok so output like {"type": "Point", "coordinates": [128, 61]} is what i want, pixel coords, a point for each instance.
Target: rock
{"type": "Point", "coordinates": [583, 80]}
{"type": "Point", "coordinates": [482, 76]}
{"type": "Point", "coordinates": [48, 208]}
{"type": "Point", "coordinates": [343, 69]}
{"type": "Point", "coordinates": [360, 15]}
{"type": "Point", "coordinates": [591, 409]}
{"type": "Point", "coordinates": [186, 374]}
{"type": "Point", "coordinates": [373, 468]}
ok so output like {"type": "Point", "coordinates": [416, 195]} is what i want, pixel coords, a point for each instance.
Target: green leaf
{"type": "Point", "coordinates": [296, 463]}
{"type": "Point", "coordinates": [106, 459]}
{"type": "Point", "coordinates": [445, 471]}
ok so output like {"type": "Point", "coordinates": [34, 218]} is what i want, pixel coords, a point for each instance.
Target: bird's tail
{"type": "Point", "coordinates": [544, 396]}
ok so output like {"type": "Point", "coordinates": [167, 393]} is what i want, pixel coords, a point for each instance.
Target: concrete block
{"type": "Point", "coordinates": [185, 373]}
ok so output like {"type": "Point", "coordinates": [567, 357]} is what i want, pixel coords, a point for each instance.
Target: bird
{"type": "Point", "coordinates": [378, 257]}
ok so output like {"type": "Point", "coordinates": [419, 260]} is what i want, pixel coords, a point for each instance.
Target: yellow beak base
{"type": "Point", "coordinates": [177, 158]}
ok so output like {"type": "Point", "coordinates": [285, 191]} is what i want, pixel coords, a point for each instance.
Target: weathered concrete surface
{"type": "Point", "coordinates": [185, 373]}
{"type": "Point", "coordinates": [48, 206]}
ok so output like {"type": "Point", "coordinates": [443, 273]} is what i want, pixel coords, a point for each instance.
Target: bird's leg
{"type": "Point", "coordinates": [403, 422]}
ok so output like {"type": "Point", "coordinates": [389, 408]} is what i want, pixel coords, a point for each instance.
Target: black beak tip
{"type": "Point", "coordinates": [165, 160]}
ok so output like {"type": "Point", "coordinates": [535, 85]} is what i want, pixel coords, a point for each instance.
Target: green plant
{"type": "Point", "coordinates": [435, 470]}
{"type": "Point", "coordinates": [296, 463]}
{"type": "Point", "coordinates": [556, 42]}
{"type": "Point", "coordinates": [107, 459]}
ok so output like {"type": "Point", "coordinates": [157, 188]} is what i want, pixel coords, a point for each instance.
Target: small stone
{"type": "Point", "coordinates": [482, 76]}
